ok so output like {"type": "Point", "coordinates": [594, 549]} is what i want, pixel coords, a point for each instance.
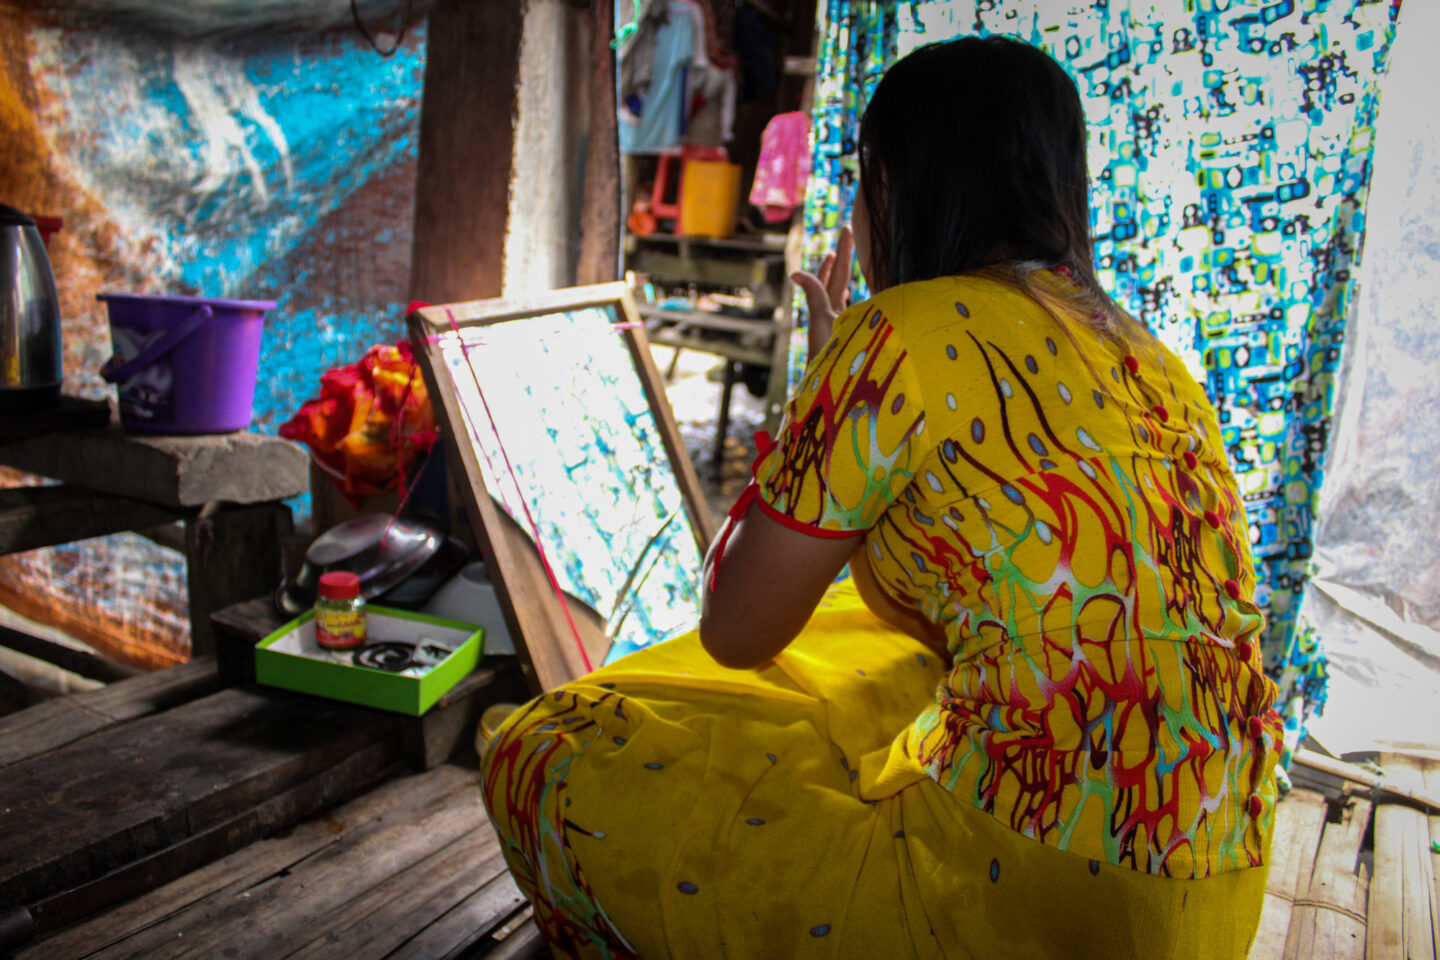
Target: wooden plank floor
{"type": "Point", "coordinates": [1353, 878]}
{"type": "Point", "coordinates": [137, 803]}
{"type": "Point", "coordinates": [409, 870]}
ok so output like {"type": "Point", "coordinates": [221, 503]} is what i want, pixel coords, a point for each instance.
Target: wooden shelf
{"type": "Point", "coordinates": [720, 348]}
{"type": "Point", "coordinates": [72, 413]}
{"type": "Point", "coordinates": [763, 244]}
{"type": "Point", "coordinates": [709, 321]}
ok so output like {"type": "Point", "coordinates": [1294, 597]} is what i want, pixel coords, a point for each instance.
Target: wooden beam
{"type": "Point", "coordinates": [393, 808]}
{"type": "Point", "coordinates": [78, 662]}
{"type": "Point", "coordinates": [1402, 778]}
{"type": "Point", "coordinates": [467, 143]}
{"type": "Point", "coordinates": [401, 863]}
{"type": "Point", "coordinates": [237, 629]}
{"type": "Point", "coordinates": [54, 723]}
{"type": "Point", "coordinates": [108, 804]}
{"type": "Point", "coordinates": [232, 554]}
{"type": "Point", "coordinates": [600, 214]}
{"type": "Point", "coordinates": [167, 471]}
{"type": "Point", "coordinates": [15, 696]}
{"type": "Point", "coordinates": [290, 804]}
{"type": "Point", "coordinates": [33, 517]}
{"type": "Point", "coordinates": [72, 413]}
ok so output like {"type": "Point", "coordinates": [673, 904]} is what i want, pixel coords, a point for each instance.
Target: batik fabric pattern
{"type": "Point", "coordinates": [1101, 741]}
{"type": "Point", "coordinates": [1230, 156]}
{"type": "Point", "coordinates": [1063, 507]}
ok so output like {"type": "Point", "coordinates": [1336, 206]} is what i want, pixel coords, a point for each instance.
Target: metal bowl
{"type": "Point", "coordinates": [415, 589]}
{"type": "Point", "coordinates": [381, 551]}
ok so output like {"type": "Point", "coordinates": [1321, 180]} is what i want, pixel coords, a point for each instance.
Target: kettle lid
{"type": "Point", "coordinates": [10, 217]}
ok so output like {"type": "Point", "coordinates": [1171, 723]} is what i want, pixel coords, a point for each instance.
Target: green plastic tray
{"type": "Point", "coordinates": [279, 662]}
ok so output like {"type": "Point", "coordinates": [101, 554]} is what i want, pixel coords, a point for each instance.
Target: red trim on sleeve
{"type": "Point", "coordinates": [800, 526]}
{"type": "Point", "coordinates": [751, 494]}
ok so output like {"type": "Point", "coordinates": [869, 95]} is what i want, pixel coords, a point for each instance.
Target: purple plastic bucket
{"type": "Point", "coordinates": [184, 364]}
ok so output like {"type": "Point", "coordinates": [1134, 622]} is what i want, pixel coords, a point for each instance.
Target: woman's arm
{"type": "Point", "coordinates": [764, 591]}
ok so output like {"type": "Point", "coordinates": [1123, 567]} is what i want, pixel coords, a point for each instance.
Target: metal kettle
{"type": "Point", "coordinates": [30, 372]}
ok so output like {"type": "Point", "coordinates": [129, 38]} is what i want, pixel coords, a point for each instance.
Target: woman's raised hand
{"type": "Point", "coordinates": [827, 291]}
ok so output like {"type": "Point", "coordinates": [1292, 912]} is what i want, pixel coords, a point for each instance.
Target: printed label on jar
{"type": "Point", "coordinates": [339, 629]}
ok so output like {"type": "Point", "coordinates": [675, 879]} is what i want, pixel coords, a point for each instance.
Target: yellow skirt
{"type": "Point", "coordinates": [665, 806]}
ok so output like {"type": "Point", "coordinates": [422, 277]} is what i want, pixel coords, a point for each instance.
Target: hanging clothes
{"type": "Point", "coordinates": [710, 102]}
{"type": "Point", "coordinates": [755, 43]}
{"type": "Point", "coordinates": [783, 168]}
{"type": "Point", "coordinates": [653, 91]}
{"type": "Point", "coordinates": [712, 106]}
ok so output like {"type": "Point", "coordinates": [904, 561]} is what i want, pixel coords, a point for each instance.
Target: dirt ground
{"type": "Point", "coordinates": [694, 391]}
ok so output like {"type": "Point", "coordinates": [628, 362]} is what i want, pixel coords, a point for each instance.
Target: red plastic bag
{"type": "Point", "coordinates": [371, 425]}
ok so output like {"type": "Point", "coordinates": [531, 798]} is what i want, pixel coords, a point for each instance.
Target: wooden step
{"type": "Point", "coordinates": [445, 732]}
{"type": "Point", "coordinates": [168, 471]}
{"type": "Point", "coordinates": [136, 804]}
{"type": "Point", "coordinates": [410, 870]}
{"type": "Point", "coordinates": [55, 723]}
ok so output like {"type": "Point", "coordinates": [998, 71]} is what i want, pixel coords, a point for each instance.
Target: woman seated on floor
{"type": "Point", "coordinates": [1033, 723]}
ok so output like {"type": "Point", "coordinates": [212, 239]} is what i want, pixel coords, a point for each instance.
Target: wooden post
{"type": "Point", "coordinates": [467, 141]}
{"type": "Point", "coordinates": [600, 216]}
{"type": "Point", "coordinates": [231, 555]}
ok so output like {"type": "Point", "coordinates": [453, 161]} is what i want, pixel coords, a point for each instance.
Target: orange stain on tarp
{"type": "Point", "coordinates": [141, 625]}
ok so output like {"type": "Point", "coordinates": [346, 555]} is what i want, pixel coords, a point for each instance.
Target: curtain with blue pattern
{"type": "Point", "coordinates": [1230, 153]}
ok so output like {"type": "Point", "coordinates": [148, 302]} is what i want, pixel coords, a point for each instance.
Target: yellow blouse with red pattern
{"type": "Point", "coordinates": [1065, 510]}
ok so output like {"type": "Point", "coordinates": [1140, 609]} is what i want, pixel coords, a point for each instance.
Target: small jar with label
{"type": "Point", "coordinates": [339, 612]}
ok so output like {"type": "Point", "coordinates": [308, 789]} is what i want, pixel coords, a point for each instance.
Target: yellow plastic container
{"type": "Point", "coordinates": [709, 198]}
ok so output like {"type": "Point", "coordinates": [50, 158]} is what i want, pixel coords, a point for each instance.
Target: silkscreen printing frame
{"type": "Point", "coordinates": [534, 612]}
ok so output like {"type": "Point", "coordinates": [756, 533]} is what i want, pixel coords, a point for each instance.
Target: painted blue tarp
{"type": "Point", "coordinates": [267, 165]}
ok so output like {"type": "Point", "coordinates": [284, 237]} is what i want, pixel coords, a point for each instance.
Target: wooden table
{"type": "Point", "coordinates": [224, 490]}
{"type": "Point", "coordinates": [740, 263]}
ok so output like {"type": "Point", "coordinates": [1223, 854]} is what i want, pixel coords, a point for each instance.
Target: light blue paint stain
{"type": "Point", "coordinates": [225, 216]}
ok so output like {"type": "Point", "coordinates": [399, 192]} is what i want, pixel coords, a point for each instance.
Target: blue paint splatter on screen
{"type": "Point", "coordinates": [224, 162]}
{"type": "Point", "coordinates": [589, 467]}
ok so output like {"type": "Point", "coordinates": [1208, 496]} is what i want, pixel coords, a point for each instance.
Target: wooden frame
{"type": "Point", "coordinates": [534, 614]}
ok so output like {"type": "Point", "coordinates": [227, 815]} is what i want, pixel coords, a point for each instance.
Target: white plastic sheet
{"type": "Point", "coordinates": [1375, 596]}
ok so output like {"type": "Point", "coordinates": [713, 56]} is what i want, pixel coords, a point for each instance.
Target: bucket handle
{"type": "Point", "coordinates": [114, 371]}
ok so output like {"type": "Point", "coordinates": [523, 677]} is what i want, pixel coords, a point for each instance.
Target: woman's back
{"type": "Point", "coordinates": [1063, 509]}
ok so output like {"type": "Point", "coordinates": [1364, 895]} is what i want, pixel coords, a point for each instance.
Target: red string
{"type": "Point", "coordinates": [529, 518]}
{"type": "Point", "coordinates": [400, 440]}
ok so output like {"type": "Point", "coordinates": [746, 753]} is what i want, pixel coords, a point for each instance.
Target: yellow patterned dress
{"type": "Point", "coordinates": [1092, 774]}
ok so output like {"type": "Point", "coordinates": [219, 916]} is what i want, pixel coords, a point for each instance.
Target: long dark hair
{"type": "Point", "coordinates": [972, 159]}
